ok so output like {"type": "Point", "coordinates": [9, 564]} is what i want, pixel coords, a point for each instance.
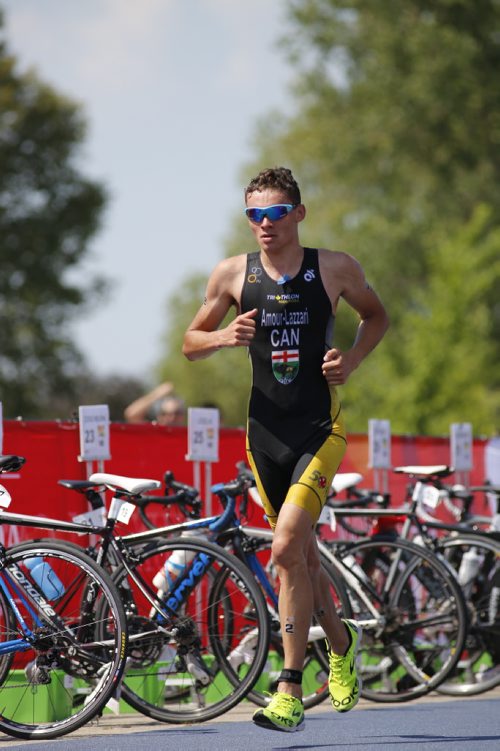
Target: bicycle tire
{"type": "Point", "coordinates": [7, 626]}
{"type": "Point", "coordinates": [67, 675]}
{"type": "Point", "coordinates": [423, 615]}
{"type": "Point", "coordinates": [158, 681]}
{"type": "Point", "coordinates": [478, 669]}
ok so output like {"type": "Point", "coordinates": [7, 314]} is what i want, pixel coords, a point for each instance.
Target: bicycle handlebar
{"type": "Point", "coordinates": [359, 498]}
{"type": "Point", "coordinates": [179, 499]}
{"type": "Point", "coordinates": [227, 494]}
{"type": "Point", "coordinates": [11, 463]}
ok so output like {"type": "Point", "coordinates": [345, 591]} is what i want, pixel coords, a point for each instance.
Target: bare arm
{"type": "Point", "coordinates": [138, 410]}
{"type": "Point", "coordinates": [338, 365]}
{"type": "Point", "coordinates": [203, 337]}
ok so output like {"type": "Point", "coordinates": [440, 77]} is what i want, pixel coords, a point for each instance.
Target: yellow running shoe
{"type": "Point", "coordinates": [344, 684]}
{"type": "Point", "coordinates": [284, 712]}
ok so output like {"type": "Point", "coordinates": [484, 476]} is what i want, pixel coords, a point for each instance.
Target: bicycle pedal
{"type": "Point", "coordinates": [196, 667]}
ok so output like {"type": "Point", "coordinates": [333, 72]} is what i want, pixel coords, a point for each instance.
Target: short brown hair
{"type": "Point", "coordinates": [280, 178]}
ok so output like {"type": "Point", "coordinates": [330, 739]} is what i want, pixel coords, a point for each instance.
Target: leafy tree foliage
{"type": "Point", "coordinates": [447, 369]}
{"type": "Point", "coordinates": [395, 142]}
{"type": "Point", "coordinates": [114, 390]}
{"type": "Point", "coordinates": [48, 214]}
{"type": "Point", "coordinates": [222, 381]}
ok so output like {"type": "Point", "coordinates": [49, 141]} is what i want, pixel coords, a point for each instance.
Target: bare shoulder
{"type": "Point", "coordinates": [339, 271]}
{"type": "Point", "coordinates": [228, 274]}
{"type": "Point", "coordinates": [231, 266]}
{"type": "Point", "coordinates": [343, 276]}
{"type": "Point", "coordinates": [222, 293]}
{"type": "Point", "coordinates": [338, 262]}
{"type": "Point", "coordinates": [224, 287]}
{"type": "Point", "coordinates": [235, 262]}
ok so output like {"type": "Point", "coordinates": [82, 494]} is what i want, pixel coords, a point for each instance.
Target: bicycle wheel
{"type": "Point", "coordinates": [316, 667]}
{"type": "Point", "coordinates": [7, 626]}
{"type": "Point", "coordinates": [478, 669]}
{"type": "Point", "coordinates": [415, 641]}
{"type": "Point", "coordinates": [64, 675]}
{"type": "Point", "coordinates": [179, 667]}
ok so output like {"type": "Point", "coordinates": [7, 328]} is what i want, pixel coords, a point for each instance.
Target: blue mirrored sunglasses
{"type": "Point", "coordinates": [273, 213]}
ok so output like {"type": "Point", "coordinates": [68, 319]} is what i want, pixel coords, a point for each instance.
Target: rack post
{"type": "Point", "coordinates": [203, 447]}
{"type": "Point", "coordinates": [379, 453]}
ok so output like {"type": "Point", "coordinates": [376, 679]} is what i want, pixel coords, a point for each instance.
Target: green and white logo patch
{"type": "Point", "coordinates": [285, 365]}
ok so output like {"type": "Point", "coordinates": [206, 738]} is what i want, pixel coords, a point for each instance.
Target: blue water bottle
{"type": "Point", "coordinates": [46, 578]}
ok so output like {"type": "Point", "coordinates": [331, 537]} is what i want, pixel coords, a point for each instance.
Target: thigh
{"type": "Point", "coordinates": [302, 480]}
{"type": "Point", "coordinates": [313, 475]}
{"type": "Point", "coordinates": [272, 479]}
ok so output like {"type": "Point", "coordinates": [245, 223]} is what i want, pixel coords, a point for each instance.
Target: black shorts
{"type": "Point", "coordinates": [303, 480]}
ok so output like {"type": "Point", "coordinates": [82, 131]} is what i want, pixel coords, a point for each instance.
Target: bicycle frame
{"type": "Point", "coordinates": [229, 519]}
{"type": "Point", "coordinates": [215, 525]}
{"type": "Point", "coordinates": [110, 541]}
{"type": "Point", "coordinates": [33, 599]}
{"type": "Point", "coordinates": [13, 583]}
{"type": "Point", "coordinates": [18, 645]}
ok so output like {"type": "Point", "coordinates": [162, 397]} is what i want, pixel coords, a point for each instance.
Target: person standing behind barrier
{"type": "Point", "coordinates": [285, 297]}
{"type": "Point", "coordinates": [160, 405]}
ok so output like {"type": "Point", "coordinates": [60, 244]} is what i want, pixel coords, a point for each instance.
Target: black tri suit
{"type": "Point", "coordinates": [295, 435]}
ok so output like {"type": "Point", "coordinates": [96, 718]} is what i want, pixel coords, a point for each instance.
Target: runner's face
{"type": "Point", "coordinates": [275, 235]}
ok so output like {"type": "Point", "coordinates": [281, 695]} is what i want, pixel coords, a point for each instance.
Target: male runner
{"type": "Point", "coordinates": [285, 297]}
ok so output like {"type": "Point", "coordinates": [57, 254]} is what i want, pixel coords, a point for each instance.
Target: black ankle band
{"type": "Point", "coordinates": [290, 676]}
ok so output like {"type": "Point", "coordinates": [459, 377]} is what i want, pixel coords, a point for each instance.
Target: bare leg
{"type": "Point", "coordinates": [324, 606]}
{"type": "Point", "coordinates": [291, 543]}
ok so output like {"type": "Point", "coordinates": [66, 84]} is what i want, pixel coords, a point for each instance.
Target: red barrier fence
{"type": "Point", "coordinates": [52, 448]}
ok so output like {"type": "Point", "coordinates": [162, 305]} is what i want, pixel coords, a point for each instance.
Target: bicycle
{"type": "Point", "coordinates": [251, 545]}
{"type": "Point", "coordinates": [398, 648]}
{"type": "Point", "coordinates": [177, 668]}
{"type": "Point", "coordinates": [469, 549]}
{"type": "Point", "coordinates": [354, 525]}
{"type": "Point", "coordinates": [412, 612]}
{"type": "Point", "coordinates": [57, 668]}
{"type": "Point", "coordinates": [472, 547]}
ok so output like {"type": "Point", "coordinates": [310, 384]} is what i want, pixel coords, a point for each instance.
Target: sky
{"type": "Point", "coordinates": [172, 91]}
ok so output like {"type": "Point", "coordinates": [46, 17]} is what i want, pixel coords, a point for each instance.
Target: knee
{"type": "Point", "coordinates": [286, 553]}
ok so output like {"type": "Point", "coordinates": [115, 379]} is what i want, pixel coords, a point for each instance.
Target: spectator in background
{"type": "Point", "coordinates": [160, 406]}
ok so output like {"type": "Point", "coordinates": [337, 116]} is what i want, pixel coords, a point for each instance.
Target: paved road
{"type": "Point", "coordinates": [432, 724]}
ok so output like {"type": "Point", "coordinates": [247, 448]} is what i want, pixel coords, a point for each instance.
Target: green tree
{"type": "Point", "coordinates": [447, 369]}
{"type": "Point", "coordinates": [395, 141]}
{"type": "Point", "coordinates": [223, 380]}
{"type": "Point", "coordinates": [48, 214]}
{"type": "Point", "coordinates": [87, 388]}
